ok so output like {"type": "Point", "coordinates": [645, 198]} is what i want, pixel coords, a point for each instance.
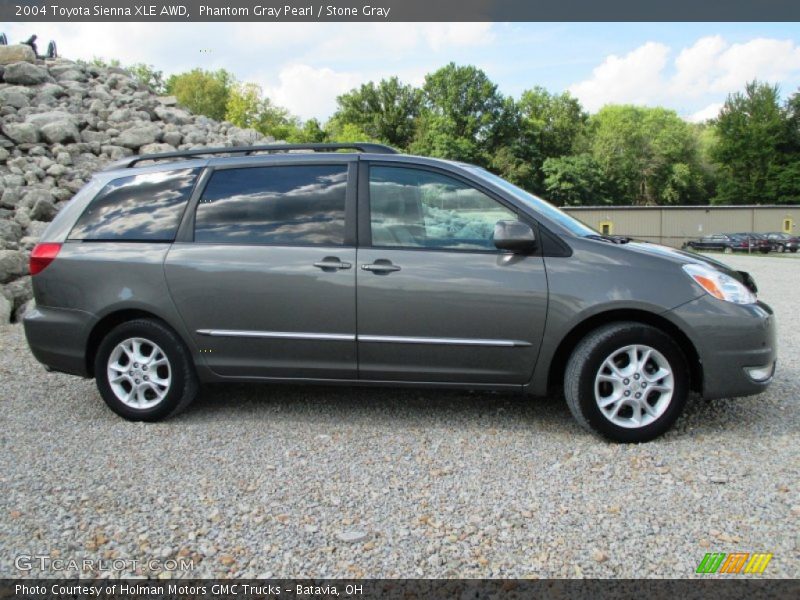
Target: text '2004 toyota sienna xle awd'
{"type": "Point", "coordinates": [371, 267]}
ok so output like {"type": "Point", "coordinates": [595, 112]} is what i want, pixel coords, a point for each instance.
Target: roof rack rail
{"type": "Point", "coordinates": [129, 162]}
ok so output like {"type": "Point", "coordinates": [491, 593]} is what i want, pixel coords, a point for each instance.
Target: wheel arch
{"type": "Point", "coordinates": [568, 343]}
{"type": "Point", "coordinates": [109, 322]}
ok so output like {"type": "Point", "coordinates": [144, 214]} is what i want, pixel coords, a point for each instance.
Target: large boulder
{"type": "Point", "coordinates": [48, 92]}
{"type": "Point", "coordinates": [71, 75]}
{"type": "Point", "coordinates": [10, 197]}
{"type": "Point", "coordinates": [10, 230]}
{"type": "Point", "coordinates": [115, 152]}
{"type": "Point", "coordinates": [173, 138]}
{"type": "Point", "coordinates": [176, 116]}
{"type": "Point", "coordinates": [14, 95]}
{"type": "Point", "coordinates": [89, 136]}
{"type": "Point", "coordinates": [41, 204]}
{"type": "Point", "coordinates": [19, 291]}
{"type": "Point", "coordinates": [43, 118]}
{"type": "Point", "coordinates": [246, 137]}
{"type": "Point", "coordinates": [156, 149]}
{"type": "Point", "coordinates": [16, 54]}
{"type": "Point", "coordinates": [22, 133]}
{"type": "Point", "coordinates": [12, 265]}
{"type": "Point", "coordinates": [60, 132]}
{"type": "Point", "coordinates": [24, 73]}
{"type": "Point", "coordinates": [136, 137]}
{"type": "Point", "coordinates": [56, 126]}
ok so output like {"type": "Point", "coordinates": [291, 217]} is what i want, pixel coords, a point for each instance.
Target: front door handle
{"type": "Point", "coordinates": [331, 263]}
{"type": "Point", "coordinates": [381, 267]}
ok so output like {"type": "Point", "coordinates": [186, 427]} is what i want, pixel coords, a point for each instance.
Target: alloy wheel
{"type": "Point", "coordinates": [139, 373]}
{"type": "Point", "coordinates": [634, 386]}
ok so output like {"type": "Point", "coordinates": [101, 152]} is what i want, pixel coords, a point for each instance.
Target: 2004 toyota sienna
{"type": "Point", "coordinates": [371, 267]}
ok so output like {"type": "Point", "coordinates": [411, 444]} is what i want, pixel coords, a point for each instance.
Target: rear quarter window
{"type": "Point", "coordinates": [139, 208]}
{"type": "Point", "coordinates": [300, 205]}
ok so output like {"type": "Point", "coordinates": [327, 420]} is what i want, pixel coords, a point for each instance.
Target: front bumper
{"type": "Point", "coordinates": [58, 338]}
{"type": "Point", "coordinates": [736, 344]}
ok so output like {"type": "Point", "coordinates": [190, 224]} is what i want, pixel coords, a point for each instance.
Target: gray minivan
{"type": "Point", "coordinates": [370, 267]}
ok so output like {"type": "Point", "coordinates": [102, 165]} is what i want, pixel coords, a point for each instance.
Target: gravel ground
{"type": "Point", "coordinates": [336, 482]}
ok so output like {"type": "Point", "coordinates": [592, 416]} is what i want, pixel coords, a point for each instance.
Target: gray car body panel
{"type": "Point", "coordinates": [467, 319]}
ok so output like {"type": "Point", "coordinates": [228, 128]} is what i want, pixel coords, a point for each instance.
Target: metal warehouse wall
{"type": "Point", "coordinates": [674, 225]}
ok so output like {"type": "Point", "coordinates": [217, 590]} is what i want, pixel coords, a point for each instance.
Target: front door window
{"type": "Point", "coordinates": [413, 208]}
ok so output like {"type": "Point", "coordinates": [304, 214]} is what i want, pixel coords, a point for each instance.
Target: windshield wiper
{"type": "Point", "coordinates": [614, 239]}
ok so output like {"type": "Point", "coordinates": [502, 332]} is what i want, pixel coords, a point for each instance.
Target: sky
{"type": "Point", "coordinates": [689, 67]}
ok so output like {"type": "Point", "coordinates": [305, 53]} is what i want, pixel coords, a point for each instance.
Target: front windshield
{"type": "Point", "coordinates": [540, 206]}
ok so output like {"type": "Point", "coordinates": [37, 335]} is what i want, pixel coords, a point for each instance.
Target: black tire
{"type": "Point", "coordinates": [793, 250]}
{"type": "Point", "coordinates": [585, 364]}
{"type": "Point", "coordinates": [183, 386]}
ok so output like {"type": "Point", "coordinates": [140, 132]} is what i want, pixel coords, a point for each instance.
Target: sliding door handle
{"type": "Point", "coordinates": [380, 267]}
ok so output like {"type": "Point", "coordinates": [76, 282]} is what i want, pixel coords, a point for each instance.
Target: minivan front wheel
{"type": "Point", "coordinates": [627, 382]}
{"type": "Point", "coordinates": [144, 372]}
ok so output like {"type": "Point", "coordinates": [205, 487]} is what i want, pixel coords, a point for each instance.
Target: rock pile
{"type": "Point", "coordinates": [60, 122]}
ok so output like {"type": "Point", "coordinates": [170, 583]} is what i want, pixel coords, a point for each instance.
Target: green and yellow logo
{"type": "Point", "coordinates": [736, 562]}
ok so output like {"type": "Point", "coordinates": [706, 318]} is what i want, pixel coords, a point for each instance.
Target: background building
{"type": "Point", "coordinates": [674, 225]}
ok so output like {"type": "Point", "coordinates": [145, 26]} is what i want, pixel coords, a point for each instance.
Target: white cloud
{"type": "Point", "coordinates": [761, 58]}
{"type": "Point", "coordinates": [310, 92]}
{"type": "Point", "coordinates": [708, 69]}
{"type": "Point", "coordinates": [633, 78]}
{"type": "Point", "coordinates": [697, 66]}
{"type": "Point", "coordinates": [704, 114]}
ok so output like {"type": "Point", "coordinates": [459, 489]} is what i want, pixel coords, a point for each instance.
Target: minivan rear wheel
{"type": "Point", "coordinates": [144, 372]}
{"type": "Point", "coordinates": [627, 382]}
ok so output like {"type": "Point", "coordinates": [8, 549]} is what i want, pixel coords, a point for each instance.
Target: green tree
{"type": "Point", "coordinates": [277, 121]}
{"type": "Point", "coordinates": [784, 176]}
{"type": "Point", "coordinates": [148, 76]}
{"type": "Point", "coordinates": [202, 92]}
{"type": "Point", "coordinates": [551, 126]}
{"type": "Point", "coordinates": [464, 117]}
{"type": "Point", "coordinates": [386, 111]}
{"type": "Point", "coordinates": [244, 105]}
{"type": "Point", "coordinates": [647, 155]}
{"type": "Point", "coordinates": [793, 122]}
{"type": "Point", "coordinates": [575, 180]}
{"type": "Point", "coordinates": [706, 140]}
{"type": "Point", "coordinates": [347, 132]}
{"type": "Point", "coordinates": [310, 132]}
{"type": "Point", "coordinates": [751, 131]}
{"type": "Point", "coordinates": [248, 107]}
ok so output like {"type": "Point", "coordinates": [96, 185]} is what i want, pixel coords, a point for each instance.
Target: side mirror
{"type": "Point", "coordinates": [514, 236]}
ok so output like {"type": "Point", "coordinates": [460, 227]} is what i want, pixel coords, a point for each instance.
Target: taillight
{"type": "Point", "coordinates": [43, 255]}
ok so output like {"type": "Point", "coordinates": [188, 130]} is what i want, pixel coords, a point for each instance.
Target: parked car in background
{"type": "Point", "coordinates": [783, 242]}
{"type": "Point", "coordinates": [379, 268]}
{"type": "Point", "coordinates": [758, 241]}
{"type": "Point", "coordinates": [724, 242]}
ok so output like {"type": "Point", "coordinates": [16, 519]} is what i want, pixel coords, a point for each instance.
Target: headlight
{"type": "Point", "coordinates": [720, 285]}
